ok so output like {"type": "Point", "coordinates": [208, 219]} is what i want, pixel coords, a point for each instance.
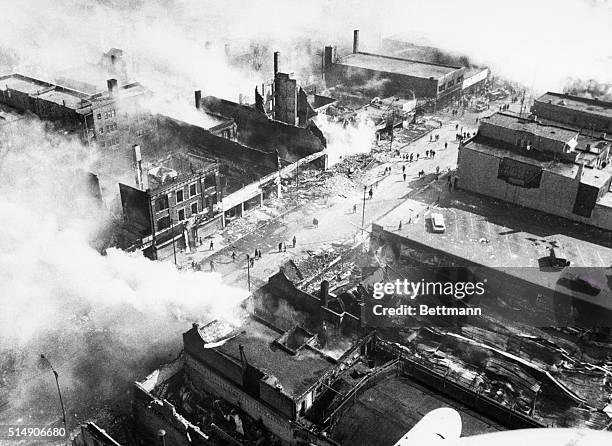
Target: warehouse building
{"type": "Point", "coordinates": [541, 166]}
{"type": "Point", "coordinates": [398, 76]}
{"type": "Point", "coordinates": [590, 115]}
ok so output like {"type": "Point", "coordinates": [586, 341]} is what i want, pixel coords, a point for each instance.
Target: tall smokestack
{"type": "Point", "coordinates": [276, 61]}
{"type": "Point", "coordinates": [138, 166]}
{"type": "Point", "coordinates": [198, 99]}
{"type": "Point", "coordinates": [328, 56]}
{"type": "Point", "coordinates": [324, 295]}
{"type": "Point", "coordinates": [112, 87]}
{"type": "Point", "coordinates": [356, 41]}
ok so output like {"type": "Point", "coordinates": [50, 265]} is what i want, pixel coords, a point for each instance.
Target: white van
{"type": "Point", "coordinates": [437, 223]}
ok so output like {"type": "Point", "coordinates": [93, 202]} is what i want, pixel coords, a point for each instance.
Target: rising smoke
{"type": "Point", "coordinates": [103, 320]}
{"type": "Point", "coordinates": [100, 318]}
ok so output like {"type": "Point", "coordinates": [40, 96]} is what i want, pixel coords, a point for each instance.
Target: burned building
{"type": "Point", "coordinates": [397, 76]}
{"type": "Point", "coordinates": [64, 106]}
{"type": "Point", "coordinates": [264, 376]}
{"type": "Point", "coordinates": [541, 166]}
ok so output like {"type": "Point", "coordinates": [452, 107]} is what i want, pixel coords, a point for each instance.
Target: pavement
{"type": "Point", "coordinates": [337, 222]}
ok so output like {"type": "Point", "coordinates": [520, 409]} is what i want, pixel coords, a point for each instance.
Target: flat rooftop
{"type": "Point", "coordinates": [502, 150]}
{"type": "Point", "coordinates": [499, 235]}
{"type": "Point", "coordinates": [397, 65]}
{"type": "Point", "coordinates": [586, 105]}
{"type": "Point", "coordinates": [517, 123]}
{"type": "Point", "coordinates": [23, 83]}
{"type": "Point", "coordinates": [296, 373]}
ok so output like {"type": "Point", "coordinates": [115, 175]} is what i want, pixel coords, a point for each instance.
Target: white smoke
{"type": "Point", "coordinates": [100, 318]}
{"type": "Point", "coordinates": [344, 140]}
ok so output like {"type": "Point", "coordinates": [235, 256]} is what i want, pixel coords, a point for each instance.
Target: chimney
{"type": "Point", "coordinates": [328, 58]}
{"type": "Point", "coordinates": [112, 87]}
{"type": "Point", "coordinates": [580, 169]}
{"type": "Point", "coordinates": [276, 61]}
{"type": "Point", "coordinates": [138, 166]}
{"type": "Point", "coordinates": [324, 294]}
{"type": "Point", "coordinates": [198, 99]}
{"type": "Point", "coordinates": [356, 41]}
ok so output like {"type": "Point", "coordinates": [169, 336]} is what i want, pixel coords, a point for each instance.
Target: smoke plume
{"type": "Point", "coordinates": [102, 320]}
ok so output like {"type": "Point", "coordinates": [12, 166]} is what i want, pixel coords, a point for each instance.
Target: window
{"type": "Point", "coordinates": [105, 115]}
{"type": "Point", "coordinates": [101, 130]}
{"type": "Point", "coordinates": [192, 190]}
{"type": "Point", "coordinates": [161, 203]}
{"type": "Point", "coordinates": [111, 127]}
{"type": "Point", "coordinates": [179, 196]}
{"type": "Point", "coordinates": [441, 87]}
{"type": "Point", "coordinates": [111, 114]}
{"type": "Point", "coordinates": [163, 223]}
{"type": "Point", "coordinates": [99, 115]}
{"type": "Point", "coordinates": [209, 181]}
{"type": "Point", "coordinates": [194, 208]}
{"type": "Point", "coordinates": [181, 214]}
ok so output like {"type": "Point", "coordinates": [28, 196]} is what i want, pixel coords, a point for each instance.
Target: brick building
{"type": "Point", "coordinates": [182, 187]}
{"type": "Point", "coordinates": [403, 77]}
{"type": "Point", "coordinates": [541, 166]}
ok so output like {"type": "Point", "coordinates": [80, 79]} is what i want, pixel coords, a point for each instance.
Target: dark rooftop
{"type": "Point", "coordinates": [296, 373]}
{"type": "Point", "coordinates": [593, 106]}
{"type": "Point", "coordinates": [517, 123]}
{"type": "Point", "coordinates": [397, 65]}
{"type": "Point", "coordinates": [513, 236]}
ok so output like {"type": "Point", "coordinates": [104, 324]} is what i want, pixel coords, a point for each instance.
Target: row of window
{"type": "Point", "coordinates": [450, 83]}
{"type": "Point", "coordinates": [109, 143]}
{"type": "Point", "coordinates": [162, 203]}
{"type": "Point", "coordinates": [164, 222]}
{"type": "Point", "coordinates": [109, 128]}
{"type": "Point", "coordinates": [107, 114]}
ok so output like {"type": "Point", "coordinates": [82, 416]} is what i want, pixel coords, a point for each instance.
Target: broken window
{"type": "Point", "coordinates": [194, 208]}
{"type": "Point", "coordinates": [163, 223]}
{"type": "Point", "coordinates": [181, 214]}
{"type": "Point", "coordinates": [192, 190]}
{"type": "Point", "coordinates": [179, 196]}
{"type": "Point", "coordinates": [209, 181]}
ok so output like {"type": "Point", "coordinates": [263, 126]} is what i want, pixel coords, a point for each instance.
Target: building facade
{"type": "Point", "coordinates": [539, 166]}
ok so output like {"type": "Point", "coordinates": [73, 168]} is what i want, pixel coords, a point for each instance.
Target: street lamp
{"type": "Point", "coordinates": [44, 358]}
{"type": "Point", "coordinates": [363, 211]}
{"type": "Point", "coordinates": [162, 436]}
{"type": "Point", "coordinates": [172, 235]}
{"type": "Point", "coordinates": [249, 271]}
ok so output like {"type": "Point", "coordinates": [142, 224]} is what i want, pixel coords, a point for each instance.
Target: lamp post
{"type": "Point", "coordinates": [249, 271]}
{"type": "Point", "coordinates": [59, 392]}
{"type": "Point", "coordinates": [162, 437]}
{"type": "Point", "coordinates": [172, 235]}
{"type": "Point", "coordinates": [363, 210]}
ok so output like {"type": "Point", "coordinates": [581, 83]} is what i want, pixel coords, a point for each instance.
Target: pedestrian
{"type": "Point", "coordinates": [404, 176]}
{"type": "Point", "coordinates": [370, 193]}
{"type": "Point", "coordinates": [437, 169]}
{"type": "Point", "coordinates": [411, 157]}
{"type": "Point", "coordinates": [256, 253]}
{"type": "Point", "coordinates": [418, 154]}
{"type": "Point", "coordinates": [437, 137]}
{"type": "Point", "coordinates": [354, 209]}
{"type": "Point", "coordinates": [315, 223]}
{"type": "Point", "coordinates": [461, 130]}
{"type": "Point", "coordinates": [430, 137]}
{"type": "Point", "coordinates": [426, 153]}
{"type": "Point", "coordinates": [212, 265]}
{"type": "Point", "coordinates": [200, 242]}
{"type": "Point", "coordinates": [211, 246]}
{"type": "Point", "coordinates": [280, 244]}
{"type": "Point", "coordinates": [476, 119]}
{"type": "Point", "coordinates": [456, 126]}
{"type": "Point", "coordinates": [284, 247]}
{"type": "Point", "coordinates": [252, 262]}
{"type": "Point", "coordinates": [234, 256]}
{"type": "Point", "coordinates": [403, 168]}
{"type": "Point", "coordinates": [193, 264]}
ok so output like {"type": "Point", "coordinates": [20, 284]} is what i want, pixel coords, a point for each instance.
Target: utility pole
{"type": "Point", "coordinates": [297, 181]}
{"type": "Point", "coordinates": [172, 235]}
{"type": "Point", "coordinates": [365, 188]}
{"type": "Point", "coordinates": [59, 393]}
{"type": "Point", "coordinates": [249, 271]}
